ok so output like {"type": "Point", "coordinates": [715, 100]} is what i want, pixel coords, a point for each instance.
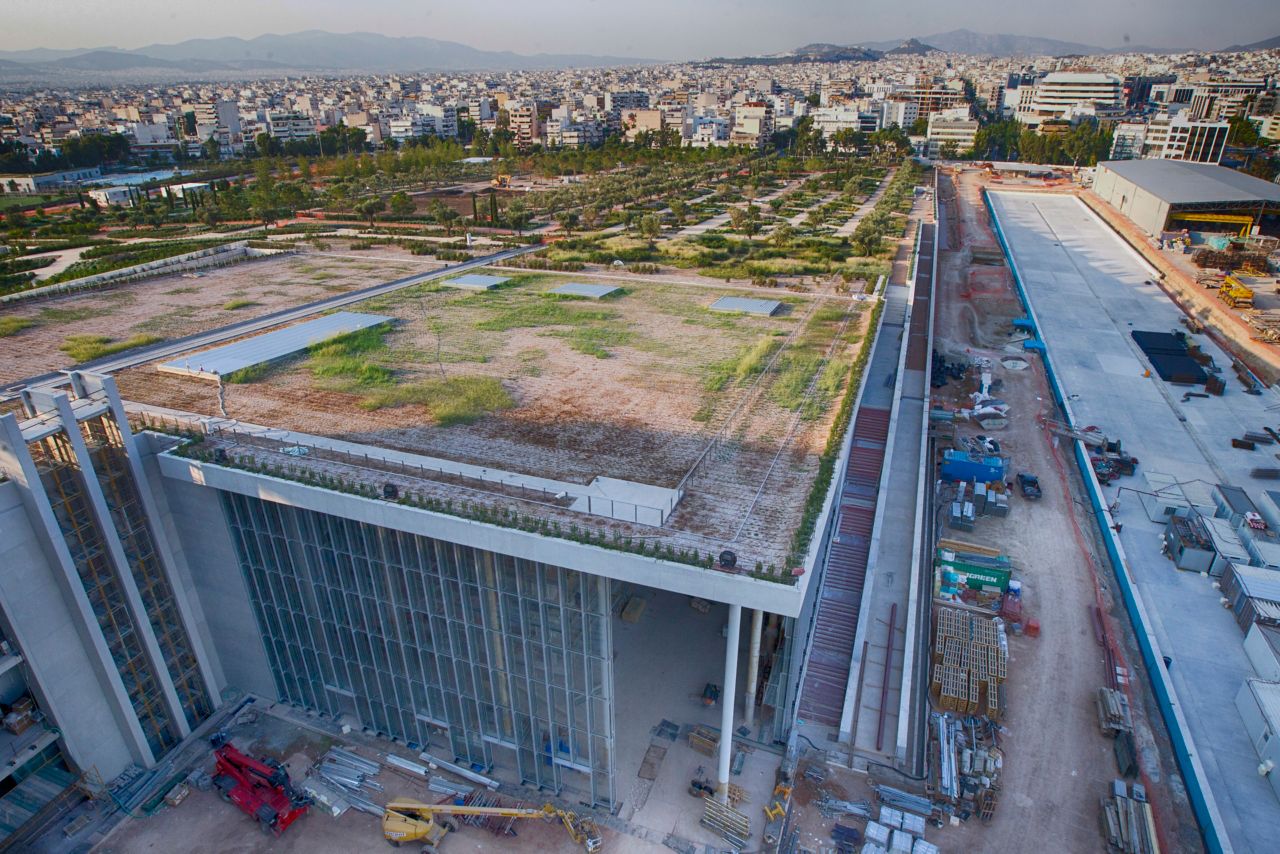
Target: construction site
{"type": "Point", "coordinates": [457, 554]}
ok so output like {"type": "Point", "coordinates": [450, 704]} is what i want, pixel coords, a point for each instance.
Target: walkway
{"type": "Point", "coordinates": [849, 227]}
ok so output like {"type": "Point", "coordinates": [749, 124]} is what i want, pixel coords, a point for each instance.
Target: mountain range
{"type": "Point", "coordinates": [313, 50]}
{"type": "Point", "coordinates": [316, 51]}
{"type": "Point", "coordinates": [977, 44]}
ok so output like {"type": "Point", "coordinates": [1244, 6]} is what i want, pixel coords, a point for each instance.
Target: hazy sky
{"type": "Point", "coordinates": [660, 29]}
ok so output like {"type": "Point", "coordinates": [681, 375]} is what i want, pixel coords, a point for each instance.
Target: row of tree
{"type": "Point", "coordinates": [75, 152]}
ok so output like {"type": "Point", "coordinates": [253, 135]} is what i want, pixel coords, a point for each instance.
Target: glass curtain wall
{"type": "Point", "coordinates": [509, 659]}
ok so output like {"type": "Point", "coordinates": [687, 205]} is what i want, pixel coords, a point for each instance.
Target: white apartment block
{"type": "Point", "coordinates": [1063, 94]}
{"type": "Point", "coordinates": [900, 113]}
{"type": "Point", "coordinates": [287, 126]}
{"type": "Point", "coordinates": [752, 124]}
{"type": "Point", "coordinates": [950, 129]}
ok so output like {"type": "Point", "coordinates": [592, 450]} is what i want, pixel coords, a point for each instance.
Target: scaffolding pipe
{"type": "Point", "coordinates": [753, 666]}
{"type": "Point", "coordinates": [726, 702]}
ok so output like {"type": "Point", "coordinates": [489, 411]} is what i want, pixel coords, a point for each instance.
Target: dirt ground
{"type": "Point", "coordinates": [1058, 764]}
{"type": "Point", "coordinates": [173, 306]}
{"type": "Point", "coordinates": [204, 824]}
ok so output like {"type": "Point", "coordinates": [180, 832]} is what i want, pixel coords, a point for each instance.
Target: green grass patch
{"type": "Point", "coordinates": [14, 325]}
{"type": "Point", "coordinates": [542, 312]}
{"type": "Point", "coordinates": [346, 359]}
{"type": "Point", "coordinates": [67, 315]}
{"type": "Point", "coordinates": [749, 362]}
{"type": "Point", "coordinates": [251, 374]}
{"type": "Point", "coordinates": [237, 304]}
{"type": "Point", "coordinates": [86, 348]}
{"type": "Point", "coordinates": [457, 400]}
{"type": "Point", "coordinates": [596, 340]}
{"type": "Point", "coordinates": [795, 372]}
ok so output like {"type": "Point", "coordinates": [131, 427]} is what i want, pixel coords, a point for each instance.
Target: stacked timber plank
{"type": "Point", "coordinates": [1114, 716]}
{"type": "Point", "coordinates": [1127, 821]}
{"type": "Point", "coordinates": [970, 663]}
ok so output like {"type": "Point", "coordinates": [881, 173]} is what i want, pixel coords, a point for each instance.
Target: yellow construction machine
{"type": "Point", "coordinates": [1235, 293]}
{"type": "Point", "coordinates": [502, 182]}
{"type": "Point", "coordinates": [406, 820]}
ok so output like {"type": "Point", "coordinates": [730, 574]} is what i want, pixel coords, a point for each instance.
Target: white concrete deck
{"type": "Point", "coordinates": [1089, 291]}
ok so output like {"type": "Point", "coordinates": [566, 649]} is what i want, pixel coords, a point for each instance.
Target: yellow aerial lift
{"type": "Point", "coordinates": [406, 820]}
{"type": "Point", "coordinates": [1235, 293]}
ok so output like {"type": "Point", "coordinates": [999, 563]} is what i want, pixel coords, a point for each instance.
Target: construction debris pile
{"type": "Point", "coordinates": [1127, 821]}
{"type": "Point", "coordinates": [970, 660]}
{"type": "Point", "coordinates": [968, 773]}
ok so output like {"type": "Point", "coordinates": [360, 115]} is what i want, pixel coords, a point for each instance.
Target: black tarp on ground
{"type": "Point", "coordinates": [1168, 355]}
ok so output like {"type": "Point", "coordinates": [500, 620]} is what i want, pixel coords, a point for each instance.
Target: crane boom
{"type": "Point", "coordinates": [407, 820]}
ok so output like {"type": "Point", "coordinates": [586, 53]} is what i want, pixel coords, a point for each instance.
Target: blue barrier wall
{"type": "Point", "coordinates": [1211, 831]}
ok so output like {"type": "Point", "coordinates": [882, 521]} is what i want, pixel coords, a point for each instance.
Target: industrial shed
{"type": "Point", "coordinates": [1168, 195]}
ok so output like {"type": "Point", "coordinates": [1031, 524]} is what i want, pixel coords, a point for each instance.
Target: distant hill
{"type": "Point", "coordinates": [910, 47]}
{"type": "Point", "coordinates": [1267, 44]}
{"type": "Point", "coordinates": [1004, 44]}
{"type": "Point", "coordinates": [816, 52]}
{"type": "Point", "coordinates": [312, 50]}
{"type": "Point", "coordinates": [110, 60]}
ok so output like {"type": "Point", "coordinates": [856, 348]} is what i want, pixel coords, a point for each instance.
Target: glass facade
{"type": "Point", "coordinates": [106, 449]}
{"type": "Point", "coordinates": [64, 482]}
{"type": "Point", "coordinates": [509, 659]}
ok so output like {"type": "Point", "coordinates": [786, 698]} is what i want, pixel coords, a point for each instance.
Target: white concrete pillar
{"type": "Point", "coordinates": [727, 692]}
{"type": "Point", "coordinates": [753, 665]}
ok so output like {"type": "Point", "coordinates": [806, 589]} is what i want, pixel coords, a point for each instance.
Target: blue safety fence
{"type": "Point", "coordinates": [1211, 831]}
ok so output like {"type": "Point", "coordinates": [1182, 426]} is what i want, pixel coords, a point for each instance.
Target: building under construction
{"type": "Point", "coordinates": [532, 599]}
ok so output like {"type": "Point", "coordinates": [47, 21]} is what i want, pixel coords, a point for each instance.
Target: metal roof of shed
{"type": "Point", "coordinates": [475, 282]}
{"type": "Point", "coordinates": [220, 361]}
{"type": "Point", "coordinates": [580, 289]}
{"type": "Point", "coordinates": [767, 307]}
{"type": "Point", "coordinates": [1258, 583]}
{"type": "Point", "coordinates": [1182, 182]}
{"type": "Point", "coordinates": [1267, 695]}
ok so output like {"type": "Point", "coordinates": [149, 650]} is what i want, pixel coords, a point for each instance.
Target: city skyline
{"type": "Point", "coordinates": [715, 28]}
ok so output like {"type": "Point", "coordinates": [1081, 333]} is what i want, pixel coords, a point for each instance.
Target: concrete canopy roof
{"type": "Point", "coordinates": [1182, 183]}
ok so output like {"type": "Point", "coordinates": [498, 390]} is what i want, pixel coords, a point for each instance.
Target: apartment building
{"type": "Point", "coordinates": [950, 131]}
{"type": "Point", "coordinates": [1165, 137]}
{"type": "Point", "coordinates": [753, 124]}
{"type": "Point", "coordinates": [525, 124]}
{"type": "Point", "coordinates": [287, 126]}
{"type": "Point", "coordinates": [1064, 94]}
{"type": "Point", "coordinates": [219, 119]}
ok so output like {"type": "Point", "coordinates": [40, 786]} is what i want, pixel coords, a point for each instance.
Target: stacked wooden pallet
{"type": "Point", "coordinates": [969, 664]}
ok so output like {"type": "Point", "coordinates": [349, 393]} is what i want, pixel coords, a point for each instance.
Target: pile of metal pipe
{"type": "Point", "coordinates": [465, 773]}
{"type": "Point", "coordinates": [900, 800]}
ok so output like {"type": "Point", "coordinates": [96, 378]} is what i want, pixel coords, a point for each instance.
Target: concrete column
{"type": "Point", "coordinates": [124, 570]}
{"type": "Point", "coordinates": [727, 692]}
{"type": "Point", "coordinates": [189, 610]}
{"type": "Point", "coordinates": [753, 665]}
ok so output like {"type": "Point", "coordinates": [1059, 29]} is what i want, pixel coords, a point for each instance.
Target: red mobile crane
{"type": "Point", "coordinates": [260, 788]}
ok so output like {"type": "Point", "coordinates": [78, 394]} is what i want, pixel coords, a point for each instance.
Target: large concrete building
{"type": "Point", "coordinates": [1163, 195]}
{"type": "Point", "coordinates": [473, 593]}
